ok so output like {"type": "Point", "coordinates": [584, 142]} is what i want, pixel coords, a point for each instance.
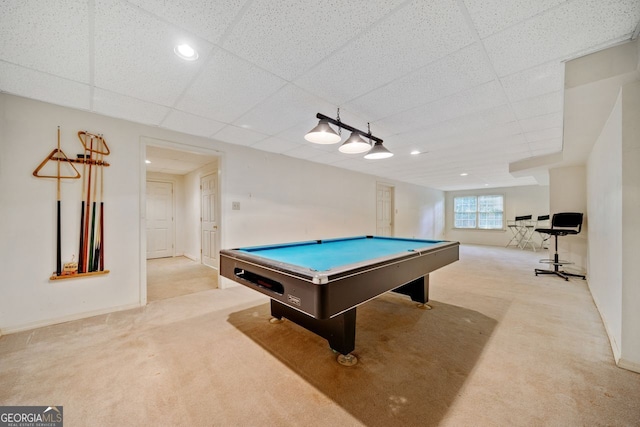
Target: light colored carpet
{"type": "Point", "coordinates": [177, 276]}
{"type": "Point", "coordinates": [501, 347]}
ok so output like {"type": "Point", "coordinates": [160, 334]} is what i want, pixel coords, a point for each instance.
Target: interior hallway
{"type": "Point", "coordinates": [501, 347]}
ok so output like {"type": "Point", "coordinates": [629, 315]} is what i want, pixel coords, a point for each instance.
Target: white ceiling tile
{"type": "Point", "coordinates": [542, 122]}
{"type": "Point", "coordinates": [539, 106]}
{"type": "Point", "coordinates": [551, 145]}
{"type": "Point", "coordinates": [288, 37]}
{"type": "Point", "coordinates": [559, 33]}
{"type": "Point", "coordinates": [430, 31]}
{"type": "Point", "coordinates": [543, 135]}
{"type": "Point", "coordinates": [479, 98]}
{"type": "Point", "coordinates": [214, 94]}
{"type": "Point", "coordinates": [47, 36]}
{"type": "Point", "coordinates": [459, 71]}
{"type": "Point", "coordinates": [188, 123]}
{"type": "Point", "coordinates": [286, 108]}
{"type": "Point", "coordinates": [125, 107]}
{"type": "Point", "coordinates": [304, 152]}
{"type": "Point", "coordinates": [140, 61]}
{"type": "Point", "coordinates": [275, 145]}
{"type": "Point", "coordinates": [491, 16]}
{"type": "Point", "coordinates": [43, 87]}
{"type": "Point", "coordinates": [204, 18]}
{"type": "Point", "coordinates": [471, 123]}
{"type": "Point", "coordinates": [535, 81]}
{"type": "Point", "coordinates": [237, 135]}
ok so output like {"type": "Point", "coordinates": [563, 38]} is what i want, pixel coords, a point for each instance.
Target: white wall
{"type": "Point", "coordinates": [282, 199]}
{"type": "Point", "coordinates": [191, 204]}
{"type": "Point", "coordinates": [604, 204]}
{"type": "Point", "coordinates": [569, 194]}
{"type": "Point", "coordinates": [630, 355]}
{"type": "Point", "coordinates": [525, 200]}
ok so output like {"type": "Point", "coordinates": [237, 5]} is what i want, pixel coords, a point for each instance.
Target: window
{"type": "Point", "coordinates": [480, 212]}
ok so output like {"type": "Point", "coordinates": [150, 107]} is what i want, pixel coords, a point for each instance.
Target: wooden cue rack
{"type": "Point", "coordinates": [85, 159]}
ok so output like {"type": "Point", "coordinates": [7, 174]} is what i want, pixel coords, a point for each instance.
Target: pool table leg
{"type": "Point", "coordinates": [340, 330]}
{"type": "Point", "coordinates": [418, 290]}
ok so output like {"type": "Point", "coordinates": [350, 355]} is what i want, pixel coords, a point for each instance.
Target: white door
{"type": "Point", "coordinates": [159, 219]}
{"type": "Point", "coordinates": [384, 210]}
{"type": "Point", "coordinates": [209, 219]}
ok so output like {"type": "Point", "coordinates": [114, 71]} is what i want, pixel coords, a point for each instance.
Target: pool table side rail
{"type": "Point", "coordinates": [323, 277]}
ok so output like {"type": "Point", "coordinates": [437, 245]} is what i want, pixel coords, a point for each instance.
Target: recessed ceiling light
{"type": "Point", "coordinates": [414, 152]}
{"type": "Point", "coordinates": [147, 161]}
{"type": "Point", "coordinates": [186, 52]}
{"type": "Point", "coordinates": [464, 174]}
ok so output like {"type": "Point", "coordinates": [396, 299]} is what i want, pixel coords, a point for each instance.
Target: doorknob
{"type": "Point", "coordinates": [215, 227]}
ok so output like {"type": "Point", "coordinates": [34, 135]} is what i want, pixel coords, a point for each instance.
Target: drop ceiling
{"type": "Point", "coordinates": [474, 85]}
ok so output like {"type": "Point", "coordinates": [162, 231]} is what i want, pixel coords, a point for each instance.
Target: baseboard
{"type": "Point", "coordinates": [628, 365]}
{"type": "Point", "coordinates": [64, 319]}
{"type": "Point", "coordinates": [612, 341]}
{"type": "Point", "coordinates": [191, 257]}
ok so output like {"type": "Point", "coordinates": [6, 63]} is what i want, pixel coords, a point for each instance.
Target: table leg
{"type": "Point", "coordinates": [418, 289]}
{"type": "Point", "coordinates": [340, 330]}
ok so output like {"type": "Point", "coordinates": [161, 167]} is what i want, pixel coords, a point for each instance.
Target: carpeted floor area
{"type": "Point", "coordinates": [176, 276]}
{"type": "Point", "coordinates": [501, 347]}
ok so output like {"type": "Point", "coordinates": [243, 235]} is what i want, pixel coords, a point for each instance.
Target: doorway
{"type": "Point", "coordinates": [174, 247]}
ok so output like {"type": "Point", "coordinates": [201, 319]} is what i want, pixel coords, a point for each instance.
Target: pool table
{"type": "Point", "coordinates": [318, 284]}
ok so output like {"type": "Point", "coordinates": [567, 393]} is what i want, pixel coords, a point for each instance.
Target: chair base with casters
{"type": "Point", "coordinates": [573, 224]}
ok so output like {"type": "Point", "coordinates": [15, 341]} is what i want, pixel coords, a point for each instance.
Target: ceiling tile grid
{"type": "Point", "coordinates": [288, 37]}
{"type": "Point", "coordinates": [473, 84]}
{"type": "Point", "coordinates": [561, 32]}
{"type": "Point", "coordinates": [238, 135]}
{"type": "Point", "coordinates": [416, 35]}
{"type": "Point", "coordinates": [139, 61]}
{"type": "Point", "coordinates": [45, 87]}
{"type": "Point", "coordinates": [128, 108]}
{"type": "Point", "coordinates": [207, 19]}
{"type": "Point", "coordinates": [191, 124]}
{"type": "Point", "coordinates": [455, 73]}
{"type": "Point", "coordinates": [214, 93]}
{"type": "Point", "coordinates": [473, 100]}
{"type": "Point", "coordinates": [52, 37]}
{"type": "Point", "coordinates": [492, 16]}
{"type": "Point", "coordinates": [284, 109]}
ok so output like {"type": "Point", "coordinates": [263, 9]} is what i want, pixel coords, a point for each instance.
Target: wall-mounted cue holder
{"type": "Point", "coordinates": [91, 242]}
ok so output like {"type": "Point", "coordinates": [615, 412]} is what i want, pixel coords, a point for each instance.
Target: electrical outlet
{"type": "Point", "coordinates": [235, 206]}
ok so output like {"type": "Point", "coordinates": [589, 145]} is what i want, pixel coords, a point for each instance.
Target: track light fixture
{"type": "Point", "coordinates": [324, 134]}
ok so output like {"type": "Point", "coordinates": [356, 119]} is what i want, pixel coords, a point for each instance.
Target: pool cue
{"type": "Point", "coordinates": [98, 245]}
{"type": "Point", "coordinates": [102, 215]}
{"type": "Point", "coordinates": [59, 232]}
{"type": "Point", "coordinates": [88, 203]}
{"type": "Point", "coordinates": [93, 221]}
{"type": "Point", "coordinates": [84, 180]}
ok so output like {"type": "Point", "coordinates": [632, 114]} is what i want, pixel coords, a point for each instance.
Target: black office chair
{"type": "Point", "coordinates": [562, 224]}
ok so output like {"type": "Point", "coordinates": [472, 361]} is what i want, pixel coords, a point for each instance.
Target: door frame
{"type": "Point", "coordinates": [144, 141]}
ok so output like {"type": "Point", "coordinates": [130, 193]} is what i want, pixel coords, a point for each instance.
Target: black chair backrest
{"type": "Point", "coordinates": [567, 220]}
{"type": "Point", "coordinates": [523, 218]}
{"type": "Point", "coordinates": [543, 217]}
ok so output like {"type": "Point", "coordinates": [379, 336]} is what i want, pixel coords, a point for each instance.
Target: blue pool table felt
{"type": "Point", "coordinates": [335, 253]}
